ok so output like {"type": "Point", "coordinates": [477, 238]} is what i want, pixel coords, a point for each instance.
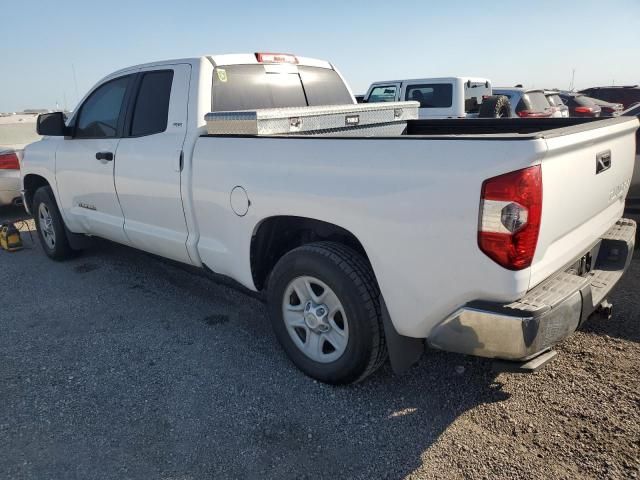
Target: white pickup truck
{"type": "Point", "coordinates": [488, 237]}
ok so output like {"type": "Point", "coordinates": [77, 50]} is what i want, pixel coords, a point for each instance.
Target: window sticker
{"type": "Point", "coordinates": [222, 74]}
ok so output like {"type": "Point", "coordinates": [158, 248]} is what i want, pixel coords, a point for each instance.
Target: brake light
{"type": "Point", "coordinates": [276, 58]}
{"type": "Point", "coordinates": [530, 114]}
{"type": "Point", "coordinates": [510, 213]}
{"type": "Point", "coordinates": [584, 110]}
{"type": "Point", "coordinates": [9, 161]}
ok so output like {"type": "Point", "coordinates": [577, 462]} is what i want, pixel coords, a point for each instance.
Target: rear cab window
{"type": "Point", "coordinates": [383, 93]}
{"type": "Point", "coordinates": [431, 95]}
{"type": "Point", "coordinates": [250, 87]}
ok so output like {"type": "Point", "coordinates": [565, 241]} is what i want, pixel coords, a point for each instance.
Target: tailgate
{"type": "Point", "coordinates": [586, 173]}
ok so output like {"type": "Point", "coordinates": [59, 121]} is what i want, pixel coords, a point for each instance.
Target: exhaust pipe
{"type": "Point", "coordinates": [17, 202]}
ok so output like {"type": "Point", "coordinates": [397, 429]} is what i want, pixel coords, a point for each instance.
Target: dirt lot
{"type": "Point", "coordinates": [119, 365]}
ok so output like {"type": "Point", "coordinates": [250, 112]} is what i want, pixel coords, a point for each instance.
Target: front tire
{"type": "Point", "coordinates": [325, 311]}
{"type": "Point", "coordinates": [50, 226]}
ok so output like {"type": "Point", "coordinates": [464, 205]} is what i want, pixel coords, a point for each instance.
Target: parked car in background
{"type": "Point", "coordinates": [558, 107]}
{"type": "Point", "coordinates": [608, 109]}
{"type": "Point", "coordinates": [527, 103]}
{"type": "Point", "coordinates": [580, 105]}
{"type": "Point", "coordinates": [445, 97]}
{"type": "Point", "coordinates": [10, 176]}
{"type": "Point", "coordinates": [626, 95]}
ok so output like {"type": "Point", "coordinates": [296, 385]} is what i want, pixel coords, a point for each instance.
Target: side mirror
{"type": "Point", "coordinates": [51, 125]}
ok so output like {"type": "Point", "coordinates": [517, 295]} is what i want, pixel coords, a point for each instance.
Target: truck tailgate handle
{"type": "Point", "coordinates": [105, 156]}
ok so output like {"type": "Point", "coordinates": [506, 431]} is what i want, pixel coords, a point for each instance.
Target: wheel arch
{"type": "Point", "coordinates": [274, 236]}
{"type": "Point", "coordinates": [30, 184]}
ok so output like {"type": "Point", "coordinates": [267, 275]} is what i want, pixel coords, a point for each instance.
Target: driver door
{"type": "Point", "coordinates": [85, 163]}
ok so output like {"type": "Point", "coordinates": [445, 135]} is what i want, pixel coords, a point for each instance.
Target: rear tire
{"type": "Point", "coordinates": [496, 106]}
{"type": "Point", "coordinates": [50, 226]}
{"type": "Point", "coordinates": [342, 284]}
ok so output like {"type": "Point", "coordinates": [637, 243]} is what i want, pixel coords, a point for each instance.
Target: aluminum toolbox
{"type": "Point", "coordinates": [385, 119]}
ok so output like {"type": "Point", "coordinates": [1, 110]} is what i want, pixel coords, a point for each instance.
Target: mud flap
{"type": "Point", "coordinates": [403, 351]}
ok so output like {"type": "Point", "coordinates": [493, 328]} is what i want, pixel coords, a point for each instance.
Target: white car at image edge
{"type": "Point", "coordinates": [10, 176]}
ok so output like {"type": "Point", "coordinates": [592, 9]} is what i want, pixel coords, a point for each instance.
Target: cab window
{"type": "Point", "coordinates": [99, 114]}
{"type": "Point", "coordinates": [151, 111]}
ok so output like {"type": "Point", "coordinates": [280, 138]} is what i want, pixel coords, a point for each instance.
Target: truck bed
{"type": "Point", "coordinates": [422, 194]}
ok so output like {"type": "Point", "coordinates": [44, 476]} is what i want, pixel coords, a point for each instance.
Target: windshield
{"type": "Point", "coordinates": [251, 87]}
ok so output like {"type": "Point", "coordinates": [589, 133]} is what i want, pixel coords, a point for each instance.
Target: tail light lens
{"type": "Point", "coordinates": [510, 212]}
{"type": "Point", "coordinates": [584, 110]}
{"type": "Point", "coordinates": [530, 114]}
{"type": "Point", "coordinates": [9, 161]}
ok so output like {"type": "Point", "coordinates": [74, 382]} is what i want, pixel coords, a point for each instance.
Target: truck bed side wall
{"type": "Point", "coordinates": [413, 204]}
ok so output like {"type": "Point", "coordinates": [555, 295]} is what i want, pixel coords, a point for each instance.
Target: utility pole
{"type": "Point", "coordinates": [573, 76]}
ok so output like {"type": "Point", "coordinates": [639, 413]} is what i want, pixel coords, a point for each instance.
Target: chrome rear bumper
{"type": "Point", "coordinates": [547, 314]}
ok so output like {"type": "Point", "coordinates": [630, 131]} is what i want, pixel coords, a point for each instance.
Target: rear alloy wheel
{"type": "Point", "coordinates": [315, 319]}
{"type": "Point", "coordinates": [325, 310]}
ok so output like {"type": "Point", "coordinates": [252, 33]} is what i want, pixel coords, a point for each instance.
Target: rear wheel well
{"type": "Point", "coordinates": [31, 184]}
{"type": "Point", "coordinates": [276, 236]}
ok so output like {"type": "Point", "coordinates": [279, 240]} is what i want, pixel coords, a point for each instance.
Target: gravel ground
{"type": "Point", "coordinates": [119, 365]}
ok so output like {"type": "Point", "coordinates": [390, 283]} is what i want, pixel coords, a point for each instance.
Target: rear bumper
{"type": "Point", "coordinates": [547, 314]}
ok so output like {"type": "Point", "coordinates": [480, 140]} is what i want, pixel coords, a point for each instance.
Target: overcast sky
{"type": "Point", "coordinates": [536, 43]}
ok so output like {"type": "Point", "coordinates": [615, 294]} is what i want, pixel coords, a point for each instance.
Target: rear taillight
{"type": "Point", "coordinates": [9, 161]}
{"type": "Point", "coordinates": [584, 109]}
{"type": "Point", "coordinates": [530, 114]}
{"type": "Point", "coordinates": [510, 211]}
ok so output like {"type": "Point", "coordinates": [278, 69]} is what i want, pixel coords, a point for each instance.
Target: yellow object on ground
{"type": "Point", "coordinates": [10, 238]}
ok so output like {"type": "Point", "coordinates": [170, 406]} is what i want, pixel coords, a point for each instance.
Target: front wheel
{"type": "Point", "coordinates": [50, 226]}
{"type": "Point", "coordinates": [325, 311]}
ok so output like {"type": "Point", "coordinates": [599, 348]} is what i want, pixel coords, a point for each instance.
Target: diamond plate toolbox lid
{"type": "Point", "coordinates": [328, 119]}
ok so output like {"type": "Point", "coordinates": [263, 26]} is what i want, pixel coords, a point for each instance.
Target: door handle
{"type": "Point", "coordinates": [107, 156]}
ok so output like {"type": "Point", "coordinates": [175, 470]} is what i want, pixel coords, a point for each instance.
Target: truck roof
{"type": "Point", "coordinates": [227, 59]}
{"type": "Point", "coordinates": [437, 79]}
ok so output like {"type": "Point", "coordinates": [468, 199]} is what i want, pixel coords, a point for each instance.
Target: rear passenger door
{"type": "Point", "coordinates": [148, 165]}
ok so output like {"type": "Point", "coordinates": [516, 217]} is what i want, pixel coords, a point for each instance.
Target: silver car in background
{"type": "Point", "coordinates": [526, 103]}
